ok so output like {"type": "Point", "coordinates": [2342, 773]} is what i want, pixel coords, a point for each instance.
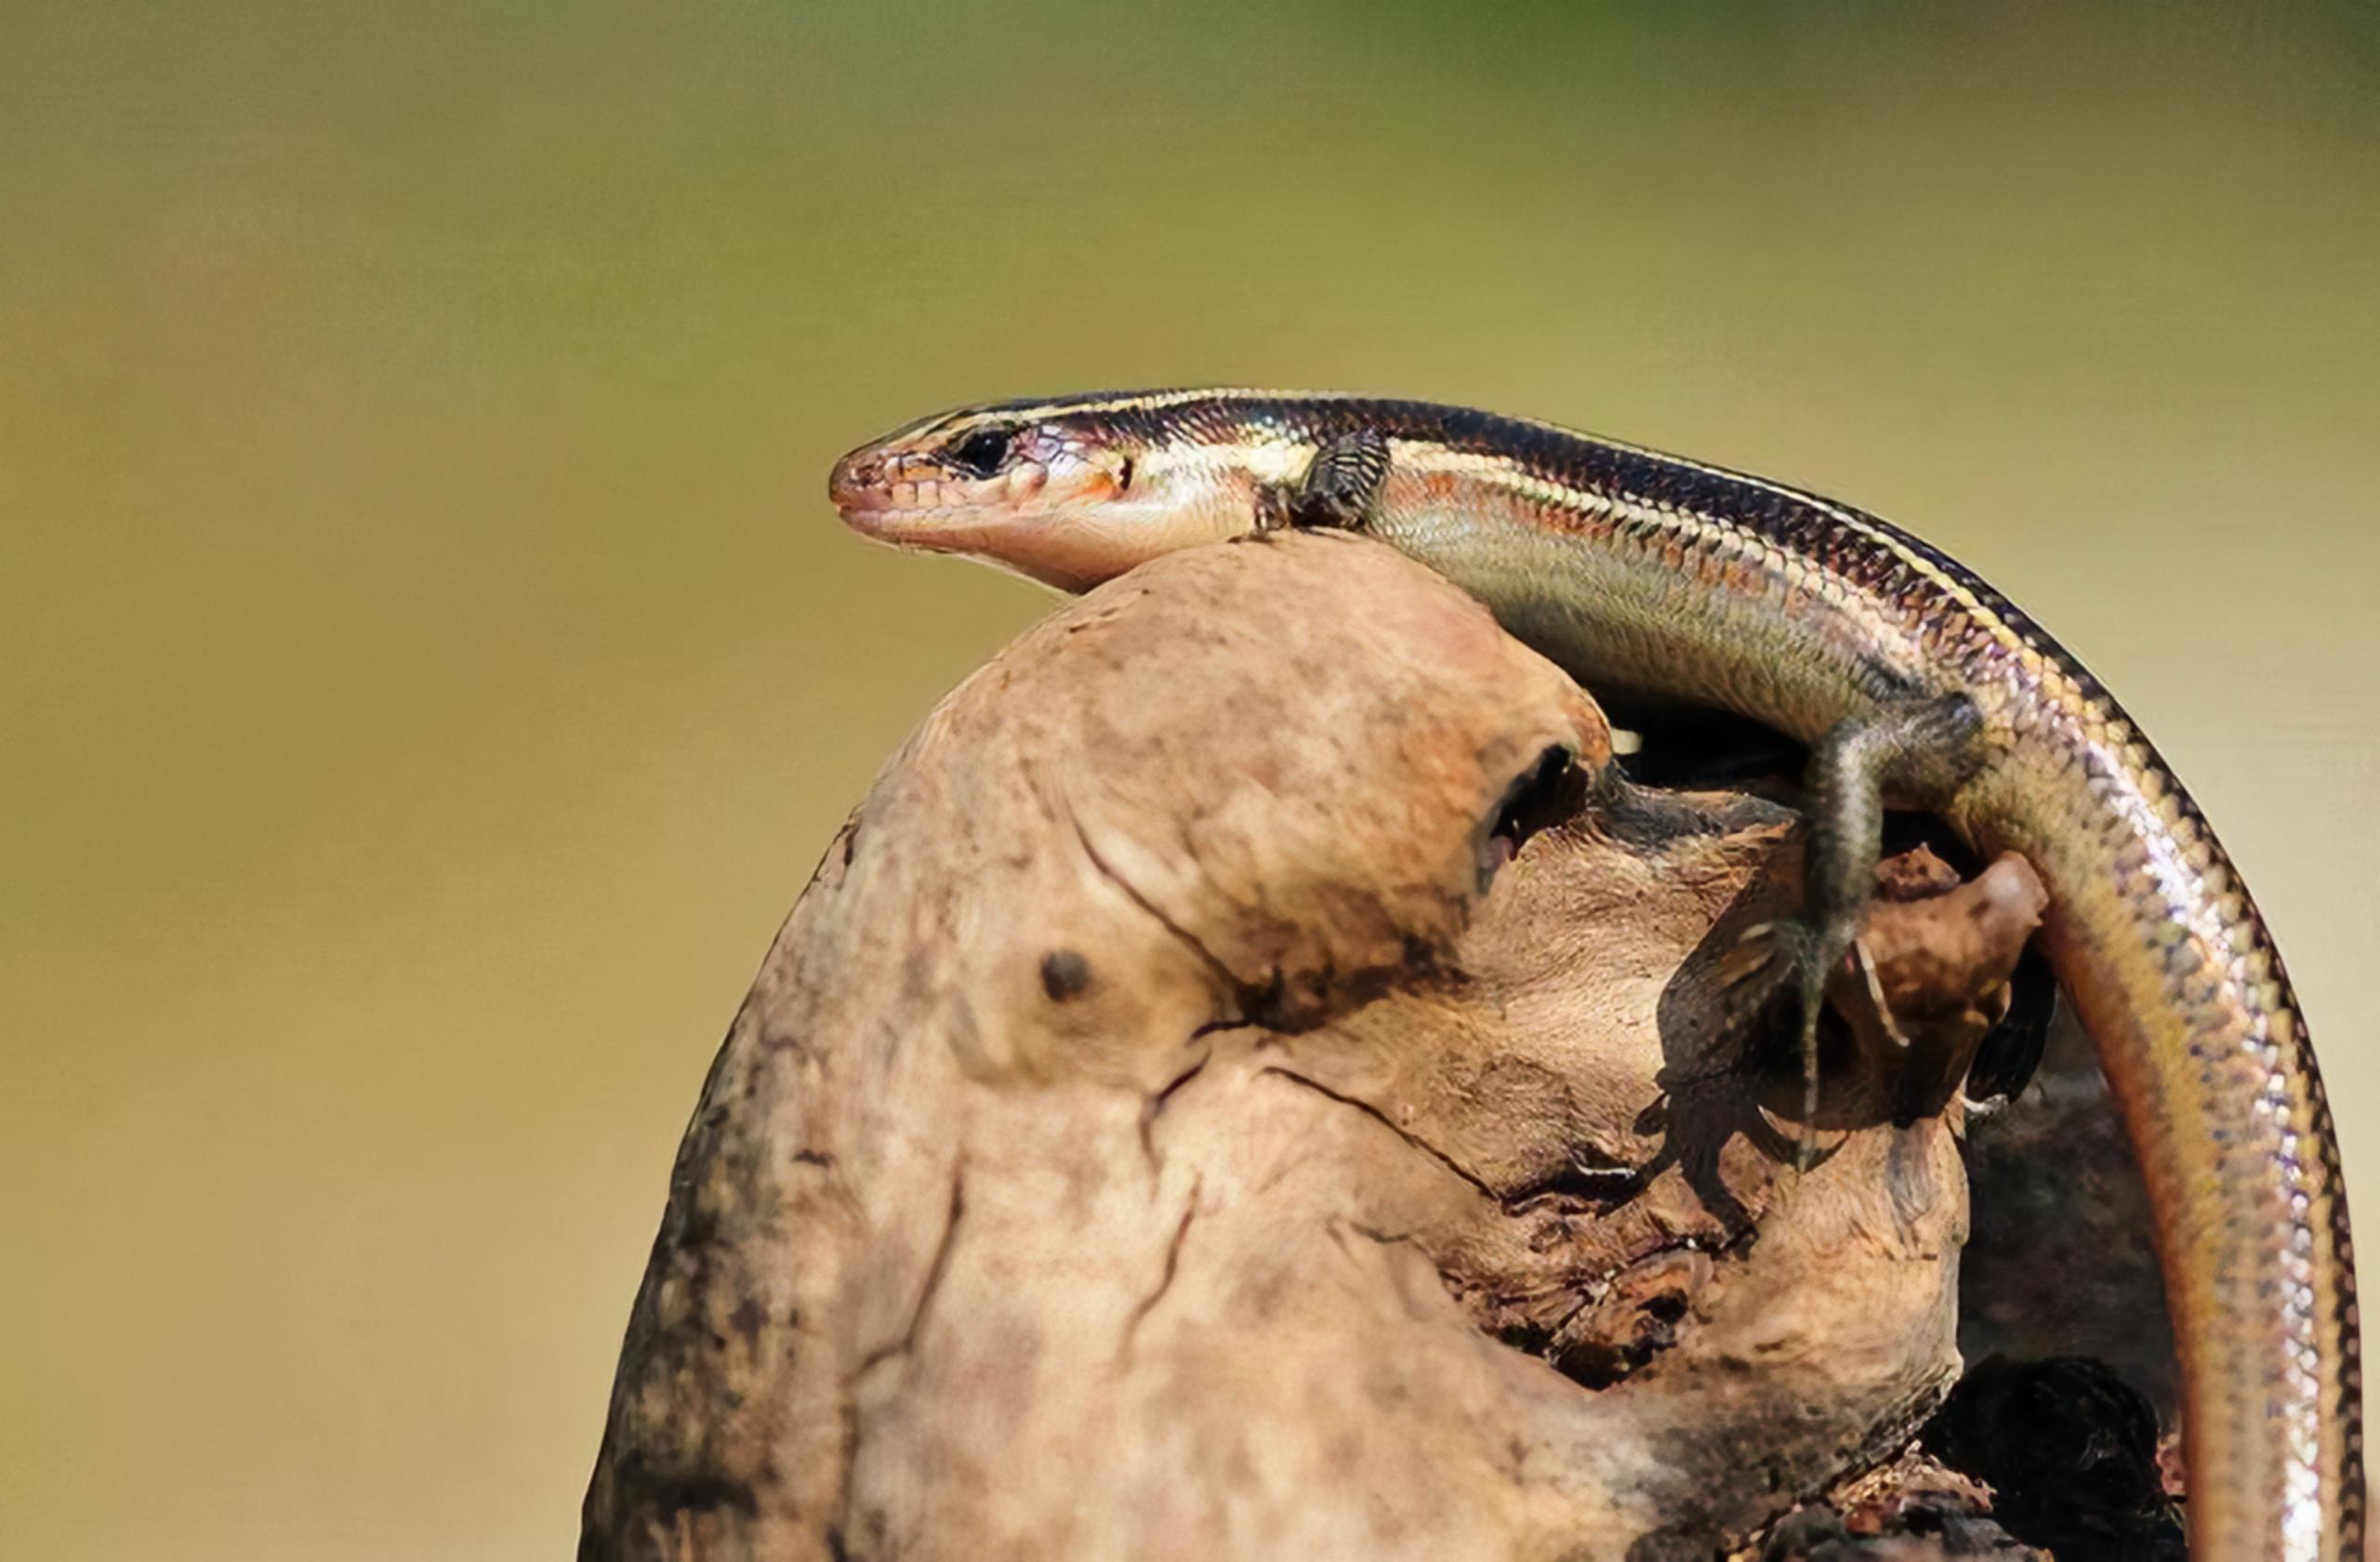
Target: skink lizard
{"type": "Point", "coordinates": [1653, 576]}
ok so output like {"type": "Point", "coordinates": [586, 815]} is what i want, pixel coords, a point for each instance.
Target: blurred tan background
{"type": "Point", "coordinates": [428, 668]}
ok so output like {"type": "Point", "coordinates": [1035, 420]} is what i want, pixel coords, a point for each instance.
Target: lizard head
{"type": "Point", "coordinates": [1069, 493]}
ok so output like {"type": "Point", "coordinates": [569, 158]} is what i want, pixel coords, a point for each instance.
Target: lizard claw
{"type": "Point", "coordinates": [1791, 955]}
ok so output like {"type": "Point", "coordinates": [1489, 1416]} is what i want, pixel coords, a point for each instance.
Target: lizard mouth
{"type": "Point", "coordinates": [887, 494]}
{"type": "Point", "coordinates": [908, 500]}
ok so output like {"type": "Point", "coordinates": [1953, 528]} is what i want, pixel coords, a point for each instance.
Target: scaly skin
{"type": "Point", "coordinates": [1653, 576]}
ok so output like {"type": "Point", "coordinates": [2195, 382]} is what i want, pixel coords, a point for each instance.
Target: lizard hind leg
{"type": "Point", "coordinates": [1921, 748]}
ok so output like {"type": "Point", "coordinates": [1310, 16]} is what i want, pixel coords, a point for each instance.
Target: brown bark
{"type": "Point", "coordinates": [1159, 1130]}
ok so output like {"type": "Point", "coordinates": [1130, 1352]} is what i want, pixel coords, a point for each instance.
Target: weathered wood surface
{"type": "Point", "coordinates": [1156, 1134]}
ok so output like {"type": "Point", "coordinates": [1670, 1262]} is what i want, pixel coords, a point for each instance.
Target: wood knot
{"type": "Point", "coordinates": [1064, 974]}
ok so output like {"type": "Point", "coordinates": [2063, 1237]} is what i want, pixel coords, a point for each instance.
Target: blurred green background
{"type": "Point", "coordinates": [428, 668]}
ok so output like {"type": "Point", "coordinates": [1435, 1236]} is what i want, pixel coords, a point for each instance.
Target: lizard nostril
{"type": "Point", "coordinates": [853, 475]}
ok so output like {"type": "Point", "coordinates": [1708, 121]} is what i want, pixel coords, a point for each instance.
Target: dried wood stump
{"type": "Point", "coordinates": [1253, 1081]}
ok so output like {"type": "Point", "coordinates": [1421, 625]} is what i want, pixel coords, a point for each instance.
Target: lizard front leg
{"type": "Point", "coordinates": [1338, 490]}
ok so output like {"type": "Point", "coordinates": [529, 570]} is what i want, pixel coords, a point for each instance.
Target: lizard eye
{"type": "Point", "coordinates": [984, 451]}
